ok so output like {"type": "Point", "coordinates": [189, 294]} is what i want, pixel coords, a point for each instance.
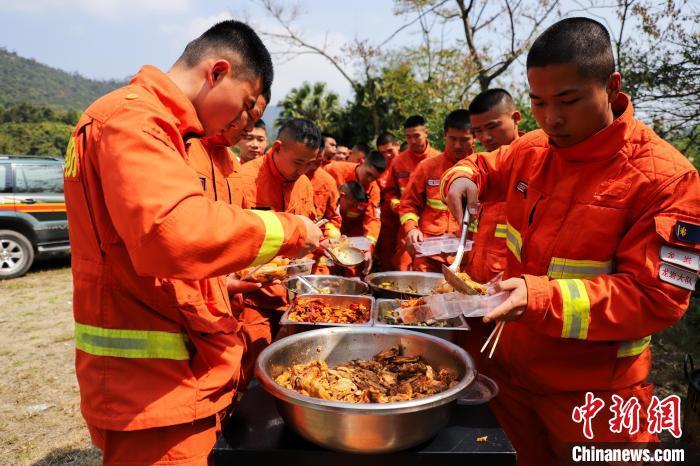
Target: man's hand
{"type": "Point", "coordinates": [460, 190]}
{"type": "Point", "coordinates": [514, 306]}
{"type": "Point", "coordinates": [313, 237]}
{"type": "Point", "coordinates": [368, 262]}
{"type": "Point", "coordinates": [412, 237]}
{"type": "Point", "coordinates": [233, 285]}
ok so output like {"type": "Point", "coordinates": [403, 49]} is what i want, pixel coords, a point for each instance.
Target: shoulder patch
{"type": "Point", "coordinates": [433, 182]}
{"type": "Point", "coordinates": [689, 260]}
{"type": "Point", "coordinates": [687, 232]}
{"type": "Point", "coordinates": [677, 276]}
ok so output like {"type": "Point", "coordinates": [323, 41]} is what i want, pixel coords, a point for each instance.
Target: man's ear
{"type": "Point", "coordinates": [516, 116]}
{"type": "Point", "coordinates": [276, 146]}
{"type": "Point", "coordinates": [218, 70]}
{"type": "Point", "coordinates": [614, 86]}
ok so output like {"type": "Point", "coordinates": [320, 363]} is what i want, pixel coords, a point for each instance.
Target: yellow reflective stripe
{"type": "Point", "coordinates": [449, 172]}
{"type": "Point", "coordinates": [513, 241]}
{"type": "Point", "coordinates": [406, 217]}
{"type": "Point", "coordinates": [274, 237]}
{"type": "Point", "coordinates": [501, 230]}
{"type": "Point", "coordinates": [577, 309]}
{"type": "Point", "coordinates": [633, 348]}
{"type": "Point", "coordinates": [70, 169]}
{"type": "Point", "coordinates": [395, 202]}
{"type": "Point", "coordinates": [569, 268]}
{"type": "Point", "coordinates": [436, 204]}
{"type": "Point", "coordinates": [401, 190]}
{"type": "Point", "coordinates": [372, 239]}
{"type": "Point", "coordinates": [352, 214]}
{"type": "Point", "coordinates": [119, 343]}
{"type": "Point", "coordinates": [473, 226]}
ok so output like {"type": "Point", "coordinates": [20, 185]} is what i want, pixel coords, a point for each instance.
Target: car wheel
{"type": "Point", "coordinates": [16, 254]}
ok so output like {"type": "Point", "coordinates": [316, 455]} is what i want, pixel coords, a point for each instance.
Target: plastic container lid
{"type": "Point", "coordinates": [481, 391]}
{"type": "Point", "coordinates": [446, 244]}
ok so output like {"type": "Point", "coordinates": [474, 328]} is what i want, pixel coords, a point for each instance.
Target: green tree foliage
{"type": "Point", "coordinates": [45, 138]}
{"type": "Point", "coordinates": [313, 102]}
{"type": "Point", "coordinates": [25, 80]}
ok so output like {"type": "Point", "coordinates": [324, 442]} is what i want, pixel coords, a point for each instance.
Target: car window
{"type": "Point", "coordinates": [5, 186]}
{"type": "Point", "coordinates": [39, 179]}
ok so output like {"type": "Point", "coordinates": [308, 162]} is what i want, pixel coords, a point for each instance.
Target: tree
{"type": "Point", "coordinates": [313, 102]}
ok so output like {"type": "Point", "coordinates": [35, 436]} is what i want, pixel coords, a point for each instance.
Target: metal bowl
{"type": "Point", "coordinates": [423, 282]}
{"type": "Point", "coordinates": [363, 427]}
{"type": "Point", "coordinates": [337, 285]}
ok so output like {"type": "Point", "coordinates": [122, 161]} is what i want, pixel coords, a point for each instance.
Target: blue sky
{"type": "Point", "coordinates": [113, 38]}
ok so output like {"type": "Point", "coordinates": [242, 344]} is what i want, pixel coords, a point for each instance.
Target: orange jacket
{"type": "Point", "coordinates": [261, 186]}
{"type": "Point", "coordinates": [364, 220]}
{"type": "Point", "coordinates": [326, 200]}
{"type": "Point", "coordinates": [421, 205]}
{"type": "Point", "coordinates": [156, 341]}
{"type": "Point", "coordinates": [585, 228]}
{"type": "Point", "coordinates": [400, 173]}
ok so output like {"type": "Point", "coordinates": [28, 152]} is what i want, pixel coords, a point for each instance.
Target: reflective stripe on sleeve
{"type": "Point", "coordinates": [406, 217]}
{"type": "Point", "coordinates": [372, 240]}
{"type": "Point", "coordinates": [142, 344]}
{"type": "Point", "coordinates": [633, 348]}
{"type": "Point", "coordinates": [449, 172]}
{"type": "Point", "coordinates": [274, 237]}
{"type": "Point", "coordinates": [436, 204]}
{"type": "Point", "coordinates": [568, 268]}
{"type": "Point", "coordinates": [577, 309]}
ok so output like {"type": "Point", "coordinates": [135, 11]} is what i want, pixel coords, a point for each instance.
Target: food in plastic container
{"type": "Point", "coordinates": [278, 268]}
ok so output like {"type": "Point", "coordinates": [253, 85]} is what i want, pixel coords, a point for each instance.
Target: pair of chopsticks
{"type": "Point", "coordinates": [496, 331]}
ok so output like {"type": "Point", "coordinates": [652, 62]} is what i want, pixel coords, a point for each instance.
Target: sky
{"type": "Point", "coordinates": [112, 39]}
{"type": "Point", "coordinates": [107, 39]}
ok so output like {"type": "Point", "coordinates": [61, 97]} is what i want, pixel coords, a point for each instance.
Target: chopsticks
{"type": "Point", "coordinates": [497, 331]}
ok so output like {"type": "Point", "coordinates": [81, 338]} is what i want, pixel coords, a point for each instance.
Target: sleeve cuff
{"type": "Point", "coordinates": [539, 299]}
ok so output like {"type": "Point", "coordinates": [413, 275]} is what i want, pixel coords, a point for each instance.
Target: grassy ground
{"type": "Point", "coordinates": [40, 422]}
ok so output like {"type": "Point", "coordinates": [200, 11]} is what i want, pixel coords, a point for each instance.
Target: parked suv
{"type": "Point", "coordinates": [33, 218]}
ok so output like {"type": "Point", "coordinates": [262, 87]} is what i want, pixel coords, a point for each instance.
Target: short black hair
{"type": "Point", "coordinates": [582, 41]}
{"type": "Point", "coordinates": [260, 124]}
{"type": "Point", "coordinates": [301, 130]}
{"type": "Point", "coordinates": [413, 121]}
{"type": "Point", "coordinates": [385, 137]}
{"type": "Point", "coordinates": [362, 147]}
{"type": "Point", "coordinates": [240, 42]}
{"type": "Point", "coordinates": [457, 119]}
{"type": "Point", "coordinates": [377, 160]}
{"type": "Point", "coordinates": [354, 190]}
{"type": "Point", "coordinates": [489, 99]}
{"type": "Point", "coordinates": [327, 135]}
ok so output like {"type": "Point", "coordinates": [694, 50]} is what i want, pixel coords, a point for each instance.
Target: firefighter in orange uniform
{"type": "Point", "coordinates": [364, 219]}
{"type": "Point", "coordinates": [422, 212]}
{"type": "Point", "coordinates": [594, 203]}
{"type": "Point", "coordinates": [494, 120]}
{"type": "Point", "coordinates": [399, 173]}
{"type": "Point", "coordinates": [329, 149]}
{"type": "Point", "coordinates": [254, 143]}
{"type": "Point", "coordinates": [158, 351]}
{"type": "Point", "coordinates": [326, 207]}
{"type": "Point", "coordinates": [388, 145]}
{"type": "Point", "coordinates": [275, 182]}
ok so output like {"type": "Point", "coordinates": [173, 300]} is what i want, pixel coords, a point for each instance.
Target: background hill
{"type": "Point", "coordinates": [23, 80]}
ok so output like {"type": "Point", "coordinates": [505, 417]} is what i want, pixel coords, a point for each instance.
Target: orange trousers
{"type": "Point", "coordinates": [181, 445]}
{"type": "Point", "coordinates": [259, 327]}
{"type": "Point", "coordinates": [386, 245]}
{"type": "Point", "coordinates": [541, 428]}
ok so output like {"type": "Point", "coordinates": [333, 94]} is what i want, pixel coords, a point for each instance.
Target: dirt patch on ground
{"type": "Point", "coordinates": [40, 421]}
